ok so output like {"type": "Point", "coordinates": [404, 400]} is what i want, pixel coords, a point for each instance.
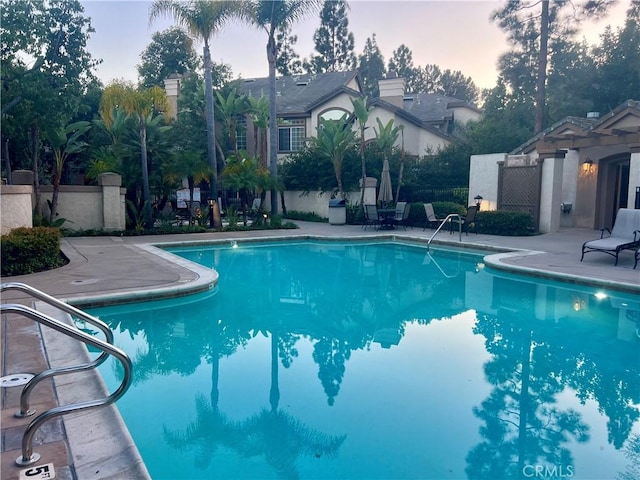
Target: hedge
{"type": "Point", "coordinates": [509, 224]}
{"type": "Point", "coordinates": [30, 250]}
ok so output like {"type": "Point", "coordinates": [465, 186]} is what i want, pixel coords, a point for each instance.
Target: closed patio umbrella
{"type": "Point", "coordinates": [385, 194]}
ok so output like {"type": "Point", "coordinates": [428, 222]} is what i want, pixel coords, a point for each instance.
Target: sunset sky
{"type": "Point", "coordinates": [453, 34]}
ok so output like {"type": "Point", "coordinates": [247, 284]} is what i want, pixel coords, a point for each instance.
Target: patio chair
{"type": "Point", "coordinates": [371, 217]}
{"type": "Point", "coordinates": [432, 219]}
{"type": "Point", "coordinates": [467, 222]}
{"type": "Point", "coordinates": [625, 235]}
{"type": "Point", "coordinates": [402, 214]}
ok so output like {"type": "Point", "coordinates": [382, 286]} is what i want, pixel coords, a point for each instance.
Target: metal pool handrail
{"type": "Point", "coordinates": [25, 411]}
{"type": "Point", "coordinates": [449, 217]}
{"type": "Point", "coordinates": [28, 456]}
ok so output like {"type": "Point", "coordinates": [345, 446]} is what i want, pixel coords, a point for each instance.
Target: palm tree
{"type": "Point", "coordinates": [334, 138]}
{"type": "Point", "coordinates": [259, 114]}
{"type": "Point", "coordinates": [202, 19]}
{"type": "Point", "coordinates": [64, 141]}
{"type": "Point", "coordinates": [190, 165]}
{"type": "Point", "coordinates": [232, 107]}
{"type": "Point", "coordinates": [361, 112]}
{"type": "Point", "coordinates": [140, 105]}
{"type": "Point", "coordinates": [272, 15]}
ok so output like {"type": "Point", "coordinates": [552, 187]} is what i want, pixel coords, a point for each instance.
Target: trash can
{"type": "Point", "coordinates": [337, 212]}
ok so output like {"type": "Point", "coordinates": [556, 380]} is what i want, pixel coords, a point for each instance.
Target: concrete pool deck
{"type": "Point", "coordinates": [105, 269]}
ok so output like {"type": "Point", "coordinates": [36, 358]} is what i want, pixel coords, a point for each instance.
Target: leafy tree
{"type": "Point", "coordinates": [532, 24]}
{"type": "Point", "coordinates": [333, 139]}
{"type": "Point", "coordinates": [401, 62]}
{"type": "Point", "coordinates": [247, 176]}
{"type": "Point", "coordinates": [53, 35]}
{"type": "Point", "coordinates": [333, 40]}
{"type": "Point", "coordinates": [203, 20]}
{"type": "Point", "coordinates": [272, 15]}
{"type": "Point", "coordinates": [288, 61]}
{"type": "Point", "coordinates": [170, 51]}
{"type": "Point", "coordinates": [142, 106]}
{"type": "Point", "coordinates": [617, 61]}
{"type": "Point", "coordinates": [371, 67]}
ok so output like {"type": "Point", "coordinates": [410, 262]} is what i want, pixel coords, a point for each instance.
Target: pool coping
{"type": "Point", "coordinates": [121, 447]}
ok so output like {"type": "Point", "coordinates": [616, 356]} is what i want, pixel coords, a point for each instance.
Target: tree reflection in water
{"type": "Point", "coordinates": [358, 294]}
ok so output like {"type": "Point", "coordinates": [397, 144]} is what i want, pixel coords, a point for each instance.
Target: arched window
{"type": "Point", "coordinates": [333, 114]}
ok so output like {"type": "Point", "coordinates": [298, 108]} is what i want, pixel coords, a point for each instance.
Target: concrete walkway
{"type": "Point", "coordinates": [110, 269]}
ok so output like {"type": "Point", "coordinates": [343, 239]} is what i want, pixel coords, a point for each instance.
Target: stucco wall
{"type": "Point", "coordinates": [316, 202]}
{"type": "Point", "coordinates": [15, 207]}
{"type": "Point", "coordinates": [483, 179]}
{"type": "Point", "coordinates": [83, 207]}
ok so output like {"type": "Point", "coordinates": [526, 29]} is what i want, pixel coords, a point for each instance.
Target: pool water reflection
{"type": "Point", "coordinates": [380, 360]}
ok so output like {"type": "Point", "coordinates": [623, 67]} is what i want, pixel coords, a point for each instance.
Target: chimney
{"type": "Point", "coordinates": [392, 89]}
{"type": "Point", "coordinates": [172, 88]}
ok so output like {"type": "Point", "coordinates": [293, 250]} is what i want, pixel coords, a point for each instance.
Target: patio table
{"type": "Point", "coordinates": [386, 217]}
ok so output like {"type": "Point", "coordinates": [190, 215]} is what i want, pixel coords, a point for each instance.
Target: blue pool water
{"type": "Point", "coordinates": [380, 361]}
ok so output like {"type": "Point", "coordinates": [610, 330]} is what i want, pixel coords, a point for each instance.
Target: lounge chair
{"type": "Point", "coordinates": [625, 235]}
{"type": "Point", "coordinates": [371, 217]}
{"type": "Point", "coordinates": [432, 219]}
{"type": "Point", "coordinates": [467, 222]}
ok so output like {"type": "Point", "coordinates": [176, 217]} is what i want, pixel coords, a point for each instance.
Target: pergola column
{"type": "Point", "coordinates": [551, 190]}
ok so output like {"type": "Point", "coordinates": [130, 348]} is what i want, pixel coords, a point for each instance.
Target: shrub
{"type": "Point", "coordinates": [305, 216]}
{"type": "Point", "coordinates": [30, 250]}
{"type": "Point", "coordinates": [505, 223]}
{"type": "Point", "coordinates": [442, 209]}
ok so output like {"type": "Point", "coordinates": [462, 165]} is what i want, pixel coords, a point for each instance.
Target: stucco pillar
{"type": "Point", "coordinates": [113, 207]}
{"type": "Point", "coordinates": [551, 192]}
{"type": "Point", "coordinates": [634, 177]}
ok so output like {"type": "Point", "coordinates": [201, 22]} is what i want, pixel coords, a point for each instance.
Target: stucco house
{"type": "Point", "coordinates": [576, 173]}
{"type": "Point", "coordinates": [302, 100]}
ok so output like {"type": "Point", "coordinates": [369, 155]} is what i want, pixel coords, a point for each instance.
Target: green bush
{"type": "Point", "coordinates": [442, 209]}
{"type": "Point", "coordinates": [509, 224]}
{"type": "Point", "coordinates": [305, 216]}
{"type": "Point", "coordinates": [30, 250]}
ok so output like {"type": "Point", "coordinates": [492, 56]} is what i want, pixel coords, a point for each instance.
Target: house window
{"type": "Point", "coordinates": [291, 134]}
{"type": "Point", "coordinates": [334, 114]}
{"type": "Point", "coordinates": [241, 133]}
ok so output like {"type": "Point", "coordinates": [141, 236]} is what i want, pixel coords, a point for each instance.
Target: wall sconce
{"type": "Point", "coordinates": [587, 164]}
{"type": "Point", "coordinates": [478, 199]}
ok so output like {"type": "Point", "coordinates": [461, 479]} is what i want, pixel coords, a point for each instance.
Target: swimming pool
{"type": "Point", "coordinates": [379, 360]}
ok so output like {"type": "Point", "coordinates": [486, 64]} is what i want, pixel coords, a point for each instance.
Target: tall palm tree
{"type": "Point", "coordinates": [361, 112]}
{"type": "Point", "coordinates": [141, 105]}
{"type": "Point", "coordinates": [202, 19]}
{"type": "Point", "coordinates": [272, 15]}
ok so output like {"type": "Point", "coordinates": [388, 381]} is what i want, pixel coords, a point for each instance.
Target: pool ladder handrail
{"type": "Point", "coordinates": [28, 457]}
{"type": "Point", "coordinates": [25, 411]}
{"type": "Point", "coordinates": [447, 220]}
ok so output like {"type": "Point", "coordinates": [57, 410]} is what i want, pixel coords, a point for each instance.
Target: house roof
{"type": "Point", "coordinates": [434, 107]}
{"type": "Point", "coordinates": [619, 127]}
{"type": "Point", "coordinates": [570, 129]}
{"type": "Point", "coordinates": [410, 117]}
{"type": "Point", "coordinates": [297, 95]}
